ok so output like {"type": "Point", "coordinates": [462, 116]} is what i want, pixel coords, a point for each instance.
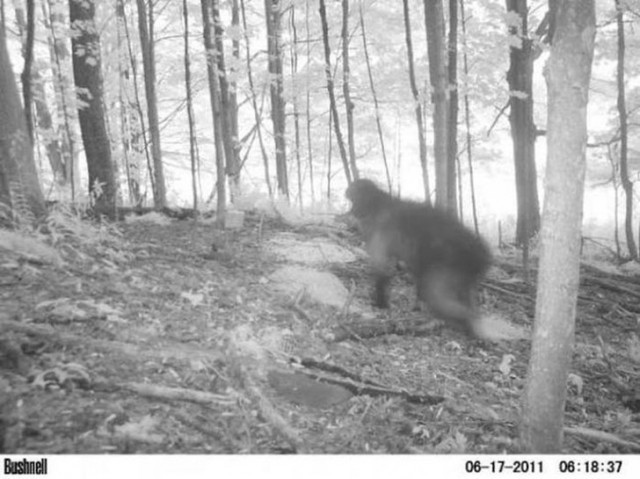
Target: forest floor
{"type": "Point", "coordinates": [170, 338]}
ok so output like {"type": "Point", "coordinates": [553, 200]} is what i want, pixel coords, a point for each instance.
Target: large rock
{"type": "Point", "coordinates": [321, 286]}
{"type": "Point", "coordinates": [311, 251]}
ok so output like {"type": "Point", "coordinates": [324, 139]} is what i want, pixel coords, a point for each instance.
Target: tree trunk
{"type": "Point", "coordinates": [146, 27]}
{"type": "Point", "coordinates": [254, 101]}
{"type": "Point", "coordinates": [434, 23]}
{"type": "Point", "coordinates": [294, 100]}
{"type": "Point", "coordinates": [44, 122]}
{"type": "Point", "coordinates": [308, 104]}
{"type": "Point", "coordinates": [33, 91]}
{"type": "Point", "coordinates": [627, 185]}
{"type": "Point", "coordinates": [523, 130]}
{"type": "Point", "coordinates": [87, 73]}
{"type": "Point", "coordinates": [190, 117]}
{"type": "Point", "coordinates": [229, 139]}
{"type": "Point", "coordinates": [330, 88]}
{"type": "Point", "coordinates": [467, 119]}
{"type": "Point", "coordinates": [214, 96]}
{"type": "Point", "coordinates": [56, 23]}
{"type": "Point", "coordinates": [20, 191]}
{"type": "Point", "coordinates": [376, 104]}
{"type": "Point", "coordinates": [452, 117]}
{"type": "Point", "coordinates": [131, 130]}
{"type": "Point", "coordinates": [235, 165]}
{"type": "Point", "coordinates": [27, 93]}
{"type": "Point", "coordinates": [568, 74]}
{"type": "Point", "coordinates": [348, 103]}
{"type": "Point", "coordinates": [273, 11]}
{"type": "Point", "coordinates": [422, 140]}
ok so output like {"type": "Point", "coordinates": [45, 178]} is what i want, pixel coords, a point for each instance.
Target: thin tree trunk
{"type": "Point", "coordinates": [187, 84]}
{"type": "Point", "coordinates": [27, 93]}
{"type": "Point", "coordinates": [254, 102]}
{"type": "Point", "coordinates": [616, 200]}
{"type": "Point", "coordinates": [460, 190]}
{"type": "Point", "coordinates": [330, 89]}
{"type": "Point", "coordinates": [236, 165]}
{"type": "Point", "coordinates": [523, 130]}
{"type": "Point", "coordinates": [63, 85]}
{"type": "Point", "coordinates": [20, 192]}
{"type": "Point", "coordinates": [273, 11]}
{"type": "Point", "coordinates": [434, 23]}
{"type": "Point", "coordinates": [133, 150]}
{"type": "Point", "coordinates": [140, 124]}
{"type": "Point", "coordinates": [346, 74]}
{"type": "Point", "coordinates": [568, 74]}
{"type": "Point", "coordinates": [295, 99]}
{"type": "Point", "coordinates": [36, 93]}
{"type": "Point", "coordinates": [87, 72]}
{"type": "Point", "coordinates": [232, 163]}
{"type": "Point", "coordinates": [308, 104]}
{"type": "Point", "coordinates": [627, 185]}
{"type": "Point", "coordinates": [146, 27]}
{"type": "Point", "coordinates": [452, 117]}
{"type": "Point", "coordinates": [375, 100]}
{"type": "Point", "coordinates": [467, 118]}
{"type": "Point", "coordinates": [330, 156]}
{"type": "Point", "coordinates": [59, 54]}
{"type": "Point", "coordinates": [422, 140]}
{"type": "Point", "coordinates": [398, 158]}
{"type": "Point", "coordinates": [44, 122]}
{"type": "Point", "coordinates": [214, 95]}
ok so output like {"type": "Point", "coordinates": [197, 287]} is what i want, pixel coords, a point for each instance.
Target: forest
{"type": "Point", "coordinates": [314, 226]}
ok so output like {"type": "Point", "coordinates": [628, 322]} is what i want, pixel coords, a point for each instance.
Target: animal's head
{"type": "Point", "coordinates": [366, 197]}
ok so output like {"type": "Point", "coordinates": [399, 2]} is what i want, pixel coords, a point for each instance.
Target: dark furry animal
{"type": "Point", "coordinates": [447, 260]}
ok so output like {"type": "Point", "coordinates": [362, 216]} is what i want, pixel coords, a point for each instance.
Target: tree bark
{"type": "Point", "coordinates": [467, 119]}
{"type": "Point", "coordinates": [422, 140]}
{"type": "Point", "coordinates": [376, 104]}
{"type": "Point", "coordinates": [254, 101]}
{"type": "Point", "coordinates": [146, 27]}
{"type": "Point", "coordinates": [452, 116]}
{"type": "Point", "coordinates": [214, 96]}
{"type": "Point", "coordinates": [332, 96]}
{"type": "Point", "coordinates": [627, 185]}
{"type": "Point", "coordinates": [20, 194]}
{"type": "Point", "coordinates": [190, 117]}
{"type": "Point", "coordinates": [33, 92]}
{"type": "Point", "coordinates": [56, 22]}
{"type": "Point", "coordinates": [568, 74]}
{"type": "Point", "coordinates": [308, 104]}
{"type": "Point", "coordinates": [236, 165]}
{"type": "Point", "coordinates": [294, 100]}
{"type": "Point", "coordinates": [131, 128]}
{"type": "Point", "coordinates": [346, 74]}
{"type": "Point", "coordinates": [229, 137]}
{"type": "Point", "coordinates": [273, 11]}
{"type": "Point", "coordinates": [87, 73]}
{"type": "Point", "coordinates": [27, 93]}
{"type": "Point", "coordinates": [434, 23]}
{"type": "Point", "coordinates": [523, 130]}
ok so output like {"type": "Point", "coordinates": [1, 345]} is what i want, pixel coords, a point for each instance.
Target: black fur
{"type": "Point", "coordinates": [446, 259]}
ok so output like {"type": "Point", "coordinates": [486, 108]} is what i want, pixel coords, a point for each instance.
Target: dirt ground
{"type": "Point", "coordinates": [169, 338]}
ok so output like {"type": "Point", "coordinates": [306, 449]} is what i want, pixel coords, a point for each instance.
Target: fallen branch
{"type": "Point", "coordinates": [377, 391]}
{"type": "Point", "coordinates": [358, 385]}
{"type": "Point", "coordinates": [178, 394]}
{"type": "Point", "coordinates": [601, 436]}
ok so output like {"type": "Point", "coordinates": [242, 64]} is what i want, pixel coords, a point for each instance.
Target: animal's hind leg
{"type": "Point", "coordinates": [449, 295]}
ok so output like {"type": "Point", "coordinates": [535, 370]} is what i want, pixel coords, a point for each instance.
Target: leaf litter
{"type": "Point", "coordinates": [175, 337]}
